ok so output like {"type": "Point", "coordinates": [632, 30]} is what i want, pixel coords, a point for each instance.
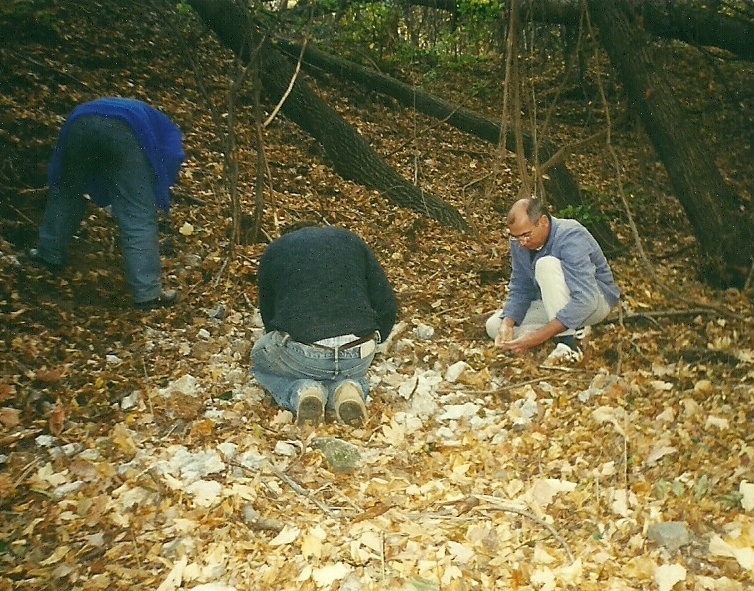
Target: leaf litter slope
{"type": "Point", "coordinates": [136, 453]}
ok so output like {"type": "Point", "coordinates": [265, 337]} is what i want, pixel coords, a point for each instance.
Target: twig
{"type": "Point", "coordinates": [16, 437]}
{"type": "Point", "coordinates": [619, 180]}
{"type": "Point", "coordinates": [22, 215]}
{"type": "Point", "coordinates": [220, 272]}
{"type": "Point", "coordinates": [290, 86]}
{"type": "Point", "coordinates": [749, 279]}
{"type": "Point", "coordinates": [56, 70]}
{"type": "Point", "coordinates": [136, 548]}
{"type": "Point", "coordinates": [29, 467]}
{"type": "Point", "coordinates": [295, 486]}
{"type": "Point", "coordinates": [563, 369]}
{"type": "Point", "coordinates": [343, 497]}
{"type": "Point", "coordinates": [495, 504]}
{"type": "Point", "coordinates": [679, 312]}
{"type": "Point", "coordinates": [510, 509]}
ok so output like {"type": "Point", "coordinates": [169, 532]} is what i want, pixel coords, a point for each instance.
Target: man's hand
{"type": "Point", "coordinates": [504, 333]}
{"type": "Point", "coordinates": [521, 344]}
{"type": "Point", "coordinates": [529, 339]}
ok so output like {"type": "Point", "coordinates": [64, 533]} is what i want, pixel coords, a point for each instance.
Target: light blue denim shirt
{"type": "Point", "coordinates": [584, 266]}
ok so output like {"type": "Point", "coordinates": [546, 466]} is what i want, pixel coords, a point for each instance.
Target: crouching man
{"type": "Point", "coordinates": [560, 284]}
{"type": "Point", "coordinates": [325, 304]}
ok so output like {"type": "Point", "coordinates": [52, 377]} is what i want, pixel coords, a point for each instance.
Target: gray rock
{"type": "Point", "coordinates": [341, 456]}
{"type": "Point", "coordinates": [671, 534]}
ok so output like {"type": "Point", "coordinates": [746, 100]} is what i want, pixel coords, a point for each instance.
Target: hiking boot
{"type": "Point", "coordinates": [563, 356]}
{"type": "Point", "coordinates": [166, 299]}
{"type": "Point", "coordinates": [349, 405]}
{"type": "Point", "coordinates": [35, 256]}
{"type": "Point", "coordinates": [311, 407]}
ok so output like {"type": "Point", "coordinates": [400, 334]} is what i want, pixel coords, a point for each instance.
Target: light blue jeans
{"type": "Point", "coordinates": [123, 172]}
{"type": "Point", "coordinates": [285, 367]}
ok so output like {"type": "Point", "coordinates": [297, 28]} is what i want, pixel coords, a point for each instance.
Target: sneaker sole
{"type": "Point", "coordinates": [351, 413]}
{"type": "Point", "coordinates": [309, 411]}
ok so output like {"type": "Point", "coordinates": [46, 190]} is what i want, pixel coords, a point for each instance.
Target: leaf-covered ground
{"type": "Point", "coordinates": [136, 453]}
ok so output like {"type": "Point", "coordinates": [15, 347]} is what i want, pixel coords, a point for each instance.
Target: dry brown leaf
{"type": "Point", "coordinates": [372, 512]}
{"type": "Point", "coordinates": [48, 376]}
{"type": "Point", "coordinates": [56, 421]}
{"type": "Point", "coordinates": [9, 417]}
{"type": "Point", "coordinates": [7, 391]}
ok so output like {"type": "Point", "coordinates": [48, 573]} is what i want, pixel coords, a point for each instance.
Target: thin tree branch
{"type": "Point", "coordinates": [290, 85]}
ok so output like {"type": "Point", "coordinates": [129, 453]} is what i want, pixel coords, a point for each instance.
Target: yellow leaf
{"type": "Point", "coordinates": [286, 536]}
{"type": "Point", "coordinates": [667, 575]}
{"type": "Point", "coordinates": [56, 556]}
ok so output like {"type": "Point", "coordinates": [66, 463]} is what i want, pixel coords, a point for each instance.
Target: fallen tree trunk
{"type": "Point", "coordinates": [717, 25]}
{"type": "Point", "coordinates": [351, 156]}
{"type": "Point", "coordinates": [682, 20]}
{"type": "Point", "coordinates": [562, 191]}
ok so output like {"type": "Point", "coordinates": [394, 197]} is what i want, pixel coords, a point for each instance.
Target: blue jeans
{"type": "Point", "coordinates": [126, 177]}
{"type": "Point", "coordinates": [285, 367]}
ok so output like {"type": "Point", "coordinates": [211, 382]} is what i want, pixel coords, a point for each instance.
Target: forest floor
{"type": "Point", "coordinates": [136, 452]}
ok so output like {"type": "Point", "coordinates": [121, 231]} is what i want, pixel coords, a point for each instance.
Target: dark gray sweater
{"type": "Point", "coordinates": [315, 283]}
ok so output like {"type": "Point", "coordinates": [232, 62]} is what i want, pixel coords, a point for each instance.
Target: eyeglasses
{"type": "Point", "coordinates": [525, 237]}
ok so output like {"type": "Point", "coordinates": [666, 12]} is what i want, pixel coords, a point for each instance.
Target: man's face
{"type": "Point", "coordinates": [527, 234]}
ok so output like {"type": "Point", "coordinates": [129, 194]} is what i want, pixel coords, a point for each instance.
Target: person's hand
{"type": "Point", "coordinates": [519, 345]}
{"type": "Point", "coordinates": [504, 334]}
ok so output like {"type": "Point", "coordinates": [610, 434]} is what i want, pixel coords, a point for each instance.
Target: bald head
{"type": "Point", "coordinates": [524, 210]}
{"type": "Point", "coordinates": [528, 223]}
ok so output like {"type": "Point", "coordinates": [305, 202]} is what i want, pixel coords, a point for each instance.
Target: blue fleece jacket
{"type": "Point", "coordinates": [158, 136]}
{"type": "Point", "coordinates": [584, 266]}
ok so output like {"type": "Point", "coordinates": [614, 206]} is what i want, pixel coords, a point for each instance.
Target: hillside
{"type": "Point", "coordinates": [136, 453]}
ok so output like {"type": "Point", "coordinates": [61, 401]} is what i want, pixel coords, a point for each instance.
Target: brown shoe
{"type": "Point", "coordinates": [166, 299]}
{"type": "Point", "coordinates": [349, 405]}
{"type": "Point", "coordinates": [311, 407]}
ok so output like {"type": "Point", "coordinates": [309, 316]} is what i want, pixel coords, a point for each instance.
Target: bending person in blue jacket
{"type": "Point", "coordinates": [560, 283]}
{"type": "Point", "coordinates": [121, 153]}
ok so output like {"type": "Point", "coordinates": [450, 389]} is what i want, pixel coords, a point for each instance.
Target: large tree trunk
{"type": "Point", "coordinates": [351, 156]}
{"type": "Point", "coordinates": [724, 232]}
{"type": "Point", "coordinates": [561, 189]}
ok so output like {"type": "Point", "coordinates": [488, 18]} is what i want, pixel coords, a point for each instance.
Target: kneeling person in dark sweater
{"type": "Point", "coordinates": [325, 303]}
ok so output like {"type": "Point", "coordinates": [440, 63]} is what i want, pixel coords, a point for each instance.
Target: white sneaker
{"type": "Point", "coordinates": [564, 355]}
{"type": "Point", "coordinates": [582, 333]}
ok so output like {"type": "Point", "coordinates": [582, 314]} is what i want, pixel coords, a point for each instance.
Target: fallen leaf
{"type": "Point", "coordinates": [9, 417]}
{"type": "Point", "coordinates": [48, 375]}
{"type": "Point", "coordinates": [744, 556]}
{"type": "Point", "coordinates": [667, 575]}
{"type": "Point", "coordinates": [747, 495]}
{"type": "Point", "coordinates": [327, 575]}
{"type": "Point", "coordinates": [288, 535]}
{"type": "Point", "coordinates": [57, 419]}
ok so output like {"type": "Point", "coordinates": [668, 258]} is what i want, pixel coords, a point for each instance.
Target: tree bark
{"type": "Point", "coordinates": [561, 189]}
{"type": "Point", "coordinates": [723, 229]}
{"type": "Point", "coordinates": [351, 156]}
